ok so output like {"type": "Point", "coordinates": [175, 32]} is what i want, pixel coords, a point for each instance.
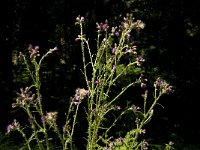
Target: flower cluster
{"type": "Point", "coordinates": [50, 117]}
{"type": "Point", "coordinates": [115, 31]}
{"type": "Point", "coordinates": [66, 128]}
{"type": "Point", "coordinates": [79, 19]}
{"type": "Point", "coordinates": [124, 32]}
{"type": "Point", "coordinates": [80, 94]}
{"type": "Point", "coordinates": [102, 26]}
{"type": "Point", "coordinates": [115, 144]}
{"type": "Point", "coordinates": [129, 22]}
{"type": "Point", "coordinates": [163, 86]}
{"type": "Point", "coordinates": [139, 60]}
{"type": "Point", "coordinates": [144, 145]}
{"type": "Point", "coordinates": [13, 126]}
{"type": "Point", "coordinates": [21, 56]}
{"type": "Point", "coordinates": [134, 108]}
{"type": "Point", "coordinates": [25, 97]}
{"type": "Point", "coordinates": [34, 51]}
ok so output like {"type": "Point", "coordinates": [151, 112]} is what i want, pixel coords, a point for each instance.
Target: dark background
{"type": "Point", "coordinates": [170, 42]}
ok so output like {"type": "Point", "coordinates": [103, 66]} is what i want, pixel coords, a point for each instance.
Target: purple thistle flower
{"type": "Point", "coordinates": [104, 27]}
{"type": "Point", "coordinates": [113, 50]}
{"type": "Point", "coordinates": [43, 119]}
{"type": "Point", "coordinates": [128, 36]}
{"type": "Point", "coordinates": [142, 78]}
{"type": "Point", "coordinates": [10, 128]}
{"type": "Point", "coordinates": [143, 85]}
{"type": "Point", "coordinates": [139, 60]}
{"type": "Point", "coordinates": [14, 126]}
{"type": "Point", "coordinates": [163, 86]}
{"type": "Point", "coordinates": [117, 34]}
{"type": "Point", "coordinates": [33, 51]}
{"type": "Point", "coordinates": [77, 97]}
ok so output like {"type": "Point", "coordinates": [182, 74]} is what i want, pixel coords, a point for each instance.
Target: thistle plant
{"type": "Point", "coordinates": [102, 71]}
{"type": "Point", "coordinates": [41, 122]}
{"type": "Point", "coordinates": [113, 43]}
{"type": "Point", "coordinates": [31, 102]}
{"type": "Point", "coordinates": [132, 139]}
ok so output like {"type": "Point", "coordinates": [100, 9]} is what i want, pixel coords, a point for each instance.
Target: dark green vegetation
{"type": "Point", "coordinates": [170, 43]}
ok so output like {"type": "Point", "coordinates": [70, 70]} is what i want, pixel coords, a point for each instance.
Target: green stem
{"type": "Point", "coordinates": [73, 125]}
{"type": "Point", "coordinates": [27, 141]}
{"type": "Point", "coordinates": [123, 90]}
{"type": "Point", "coordinates": [59, 135]}
{"type": "Point", "coordinates": [27, 67]}
{"type": "Point", "coordinates": [34, 128]}
{"type": "Point", "coordinates": [66, 137]}
{"type": "Point", "coordinates": [142, 123]}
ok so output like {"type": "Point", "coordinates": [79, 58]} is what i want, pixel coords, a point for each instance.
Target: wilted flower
{"type": "Point", "coordinates": [25, 97]}
{"type": "Point", "coordinates": [163, 86]}
{"type": "Point", "coordinates": [21, 55]}
{"type": "Point", "coordinates": [66, 128]}
{"type": "Point", "coordinates": [51, 117]}
{"type": "Point", "coordinates": [139, 24]}
{"type": "Point", "coordinates": [80, 94]}
{"type": "Point", "coordinates": [129, 23]}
